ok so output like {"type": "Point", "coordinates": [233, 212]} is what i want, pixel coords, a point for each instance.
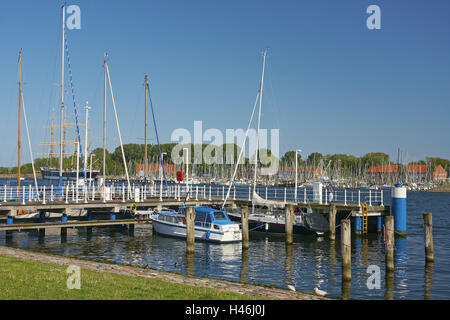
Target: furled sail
{"type": "Point", "coordinates": [258, 201]}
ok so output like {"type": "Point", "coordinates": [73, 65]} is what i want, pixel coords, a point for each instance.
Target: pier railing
{"type": "Point", "coordinates": [142, 192]}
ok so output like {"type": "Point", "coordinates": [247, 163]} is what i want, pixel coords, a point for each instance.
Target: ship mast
{"type": "Point", "coordinates": [18, 135]}
{"type": "Point", "coordinates": [145, 143]}
{"type": "Point", "coordinates": [61, 119]}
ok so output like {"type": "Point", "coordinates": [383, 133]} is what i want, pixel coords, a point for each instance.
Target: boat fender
{"type": "Point", "coordinates": [267, 226]}
{"type": "Point", "coordinates": [208, 234]}
{"type": "Point", "coordinates": [133, 208]}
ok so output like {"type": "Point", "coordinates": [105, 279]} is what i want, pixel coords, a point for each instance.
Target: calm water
{"type": "Point", "coordinates": [311, 262]}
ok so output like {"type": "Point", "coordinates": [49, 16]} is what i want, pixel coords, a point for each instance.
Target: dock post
{"type": "Point", "coordinates": [346, 240]}
{"type": "Point", "coordinates": [4, 194]}
{"type": "Point", "coordinates": [289, 223]}
{"type": "Point", "coordinates": [190, 231]}
{"type": "Point", "coordinates": [398, 209]}
{"type": "Point", "coordinates": [359, 196]}
{"type": "Point", "coordinates": [284, 194]}
{"type": "Point", "coordinates": [332, 221]}
{"type": "Point", "coordinates": [304, 195]}
{"type": "Point", "coordinates": [234, 193]}
{"type": "Point", "coordinates": [249, 193]}
{"type": "Point", "coordinates": [428, 234]}
{"type": "Point", "coordinates": [209, 193]}
{"type": "Point", "coordinates": [389, 225]}
{"type": "Point", "coordinates": [223, 192]}
{"type": "Point", "coordinates": [345, 196]}
{"type": "Point", "coordinates": [43, 196]}
{"type": "Point", "coordinates": [244, 221]}
{"type": "Point", "coordinates": [196, 193]}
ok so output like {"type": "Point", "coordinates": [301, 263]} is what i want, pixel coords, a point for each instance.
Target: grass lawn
{"type": "Point", "coordinates": [24, 280]}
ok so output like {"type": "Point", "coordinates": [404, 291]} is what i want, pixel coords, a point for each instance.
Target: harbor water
{"type": "Point", "coordinates": [309, 263]}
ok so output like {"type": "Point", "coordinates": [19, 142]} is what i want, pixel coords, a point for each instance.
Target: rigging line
{"type": "Point", "coordinates": [80, 147]}
{"type": "Point", "coordinates": [157, 136]}
{"type": "Point", "coordinates": [29, 146]}
{"type": "Point", "coordinates": [242, 151]}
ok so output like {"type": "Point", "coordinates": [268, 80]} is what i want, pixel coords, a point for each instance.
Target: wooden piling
{"type": "Point", "coordinates": [244, 221]}
{"type": "Point", "coordinates": [289, 223]}
{"type": "Point", "coordinates": [332, 221]}
{"type": "Point", "coordinates": [428, 234]}
{"type": "Point", "coordinates": [346, 241]}
{"type": "Point", "coordinates": [389, 225]}
{"type": "Point", "coordinates": [190, 231]}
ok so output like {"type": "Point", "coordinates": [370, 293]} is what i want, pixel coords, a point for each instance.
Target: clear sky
{"type": "Point", "coordinates": [332, 85]}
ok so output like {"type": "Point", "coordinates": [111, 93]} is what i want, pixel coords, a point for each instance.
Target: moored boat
{"type": "Point", "coordinates": [210, 224]}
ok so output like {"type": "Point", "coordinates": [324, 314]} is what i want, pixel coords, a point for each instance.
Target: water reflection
{"type": "Point", "coordinates": [244, 266]}
{"type": "Point", "coordinates": [401, 266]}
{"type": "Point", "coordinates": [428, 284]}
{"type": "Point", "coordinates": [289, 265]}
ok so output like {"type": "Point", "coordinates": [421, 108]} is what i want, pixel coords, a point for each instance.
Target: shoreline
{"type": "Point", "coordinates": [264, 292]}
{"type": "Point", "coordinates": [444, 188]}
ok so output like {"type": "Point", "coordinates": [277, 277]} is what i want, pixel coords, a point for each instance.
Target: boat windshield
{"type": "Point", "coordinates": [219, 215]}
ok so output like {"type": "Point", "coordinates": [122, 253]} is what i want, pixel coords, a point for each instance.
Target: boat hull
{"type": "Point", "coordinates": [53, 174]}
{"type": "Point", "coordinates": [259, 225]}
{"type": "Point", "coordinates": [204, 234]}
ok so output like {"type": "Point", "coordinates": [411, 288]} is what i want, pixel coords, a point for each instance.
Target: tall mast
{"type": "Point", "coordinates": [104, 121]}
{"type": "Point", "coordinates": [61, 119]}
{"type": "Point", "coordinates": [259, 120]}
{"type": "Point", "coordinates": [86, 136]}
{"type": "Point", "coordinates": [18, 133]}
{"type": "Point", "coordinates": [145, 146]}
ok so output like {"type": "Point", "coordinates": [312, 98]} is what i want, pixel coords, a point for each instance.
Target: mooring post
{"type": "Point", "coordinates": [223, 192]}
{"type": "Point", "coordinates": [346, 240]}
{"type": "Point", "coordinates": [234, 193]}
{"type": "Point", "coordinates": [209, 193]}
{"type": "Point", "coordinates": [389, 225]}
{"type": "Point", "coordinates": [304, 195]}
{"type": "Point", "coordinates": [244, 221]}
{"type": "Point", "coordinates": [196, 193]}
{"type": "Point", "coordinates": [4, 194]}
{"type": "Point", "coordinates": [379, 224]}
{"type": "Point", "coordinates": [284, 194]}
{"type": "Point", "coordinates": [398, 209]}
{"type": "Point", "coordinates": [332, 221]}
{"type": "Point", "coordinates": [358, 225]}
{"type": "Point", "coordinates": [249, 193]}
{"type": "Point", "coordinates": [190, 231]}
{"type": "Point", "coordinates": [428, 229]}
{"type": "Point", "coordinates": [289, 223]}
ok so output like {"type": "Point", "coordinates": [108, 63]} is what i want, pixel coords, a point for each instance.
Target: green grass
{"type": "Point", "coordinates": [25, 280]}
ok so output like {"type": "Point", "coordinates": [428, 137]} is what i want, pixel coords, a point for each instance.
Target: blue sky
{"type": "Point", "coordinates": [332, 85]}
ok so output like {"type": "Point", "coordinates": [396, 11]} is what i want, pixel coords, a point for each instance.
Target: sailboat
{"type": "Point", "coordinates": [269, 215]}
{"type": "Point", "coordinates": [62, 174]}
